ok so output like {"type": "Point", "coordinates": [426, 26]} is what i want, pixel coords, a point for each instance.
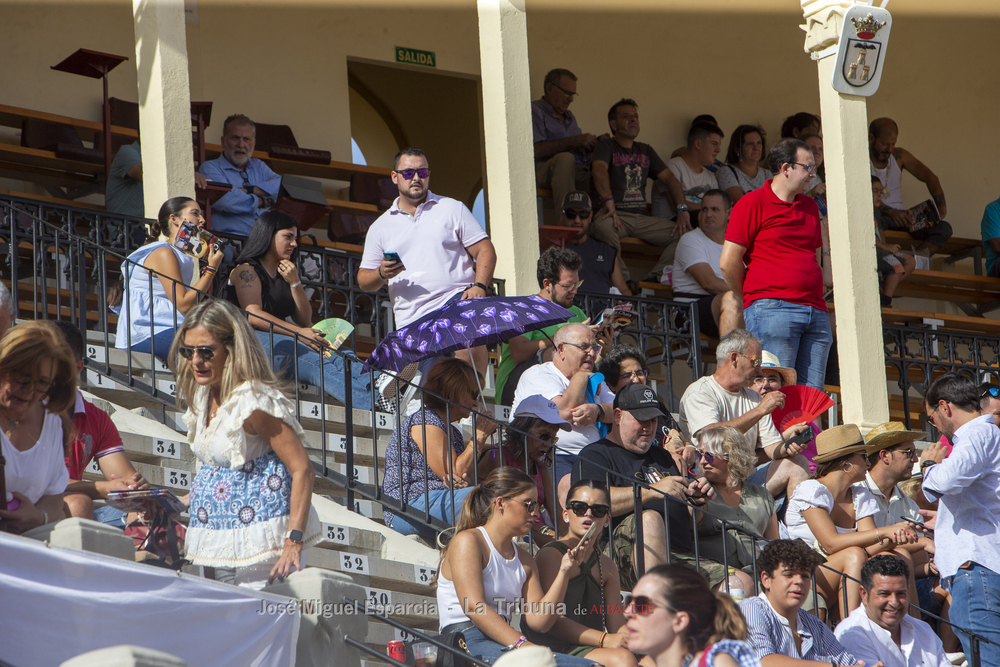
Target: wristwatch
{"type": "Point", "coordinates": [926, 464]}
{"type": "Point", "coordinates": [600, 412]}
{"type": "Point", "coordinates": [482, 287]}
{"type": "Point", "coordinates": [294, 536]}
{"type": "Point", "coordinates": [682, 208]}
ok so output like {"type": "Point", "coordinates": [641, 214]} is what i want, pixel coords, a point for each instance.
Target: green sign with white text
{"type": "Point", "coordinates": [415, 57]}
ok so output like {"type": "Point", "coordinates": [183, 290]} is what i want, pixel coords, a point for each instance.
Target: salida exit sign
{"type": "Point", "coordinates": [415, 57]}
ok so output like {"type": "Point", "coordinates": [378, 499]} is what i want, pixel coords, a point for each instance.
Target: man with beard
{"type": "Point", "coordinates": [255, 186]}
{"type": "Point", "coordinates": [558, 273]}
{"type": "Point", "coordinates": [429, 250]}
{"type": "Point", "coordinates": [880, 629]}
{"type": "Point", "coordinates": [601, 268]}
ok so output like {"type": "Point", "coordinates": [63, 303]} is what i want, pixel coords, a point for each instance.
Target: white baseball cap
{"type": "Point", "coordinates": [537, 405]}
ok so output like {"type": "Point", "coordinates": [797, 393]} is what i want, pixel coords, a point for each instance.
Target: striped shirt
{"type": "Point", "coordinates": [770, 634]}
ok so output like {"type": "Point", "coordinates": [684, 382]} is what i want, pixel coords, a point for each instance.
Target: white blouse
{"type": "Point", "coordinates": [812, 493]}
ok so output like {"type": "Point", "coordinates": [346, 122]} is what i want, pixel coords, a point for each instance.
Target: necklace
{"type": "Point", "coordinates": [687, 660]}
{"type": "Point", "coordinates": [11, 425]}
{"type": "Point", "coordinates": [883, 177]}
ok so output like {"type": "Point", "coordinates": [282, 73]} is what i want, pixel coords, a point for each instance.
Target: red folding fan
{"type": "Point", "coordinates": [802, 404]}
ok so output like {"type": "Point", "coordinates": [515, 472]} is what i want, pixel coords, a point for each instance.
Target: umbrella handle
{"type": "Point", "coordinates": [482, 404]}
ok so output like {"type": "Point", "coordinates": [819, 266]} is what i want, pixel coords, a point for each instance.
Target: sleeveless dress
{"type": "Point", "coordinates": [241, 496]}
{"type": "Point", "coordinates": [583, 605]}
{"type": "Point", "coordinates": [275, 293]}
{"type": "Point", "coordinates": [143, 314]}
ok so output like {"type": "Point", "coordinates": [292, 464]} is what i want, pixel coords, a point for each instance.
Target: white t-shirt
{"type": "Point", "coordinates": [731, 176]}
{"type": "Point", "coordinates": [549, 381]}
{"type": "Point", "coordinates": [694, 185]}
{"type": "Point", "coordinates": [41, 470]}
{"type": "Point", "coordinates": [812, 493]}
{"type": "Point", "coordinates": [705, 402]}
{"type": "Point", "coordinates": [695, 248]}
{"type": "Point", "coordinates": [432, 246]}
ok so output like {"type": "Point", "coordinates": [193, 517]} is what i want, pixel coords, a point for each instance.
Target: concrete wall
{"type": "Point", "coordinates": [290, 64]}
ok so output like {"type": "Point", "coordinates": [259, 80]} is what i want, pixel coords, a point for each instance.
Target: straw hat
{"type": "Point", "coordinates": [770, 362]}
{"type": "Point", "coordinates": [839, 441]}
{"type": "Point", "coordinates": [890, 434]}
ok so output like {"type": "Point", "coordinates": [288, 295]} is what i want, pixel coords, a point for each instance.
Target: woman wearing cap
{"type": "Point", "coordinates": [528, 446]}
{"type": "Point", "coordinates": [836, 519]}
{"type": "Point", "coordinates": [727, 460]}
{"type": "Point", "coordinates": [427, 441]}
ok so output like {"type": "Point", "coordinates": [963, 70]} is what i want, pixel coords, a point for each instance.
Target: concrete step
{"type": "Point", "coordinates": [411, 579]}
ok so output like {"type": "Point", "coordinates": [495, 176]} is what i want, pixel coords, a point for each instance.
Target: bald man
{"type": "Point", "coordinates": [888, 163]}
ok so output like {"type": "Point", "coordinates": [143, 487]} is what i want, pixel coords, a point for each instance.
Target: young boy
{"type": "Point", "coordinates": [781, 633]}
{"type": "Point", "coordinates": [893, 265]}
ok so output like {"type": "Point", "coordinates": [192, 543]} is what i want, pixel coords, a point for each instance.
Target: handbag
{"type": "Point", "coordinates": [162, 536]}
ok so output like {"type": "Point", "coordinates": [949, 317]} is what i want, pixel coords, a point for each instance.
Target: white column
{"type": "Point", "coordinates": [510, 169]}
{"type": "Point", "coordinates": [852, 230]}
{"type": "Point", "coordinates": [164, 101]}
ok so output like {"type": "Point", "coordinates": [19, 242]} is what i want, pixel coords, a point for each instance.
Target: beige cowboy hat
{"type": "Point", "coordinates": [890, 434]}
{"type": "Point", "coordinates": [769, 362]}
{"type": "Point", "coordinates": [839, 441]}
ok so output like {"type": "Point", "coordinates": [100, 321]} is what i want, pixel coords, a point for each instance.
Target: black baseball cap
{"type": "Point", "coordinates": [576, 200]}
{"type": "Point", "coordinates": [639, 400]}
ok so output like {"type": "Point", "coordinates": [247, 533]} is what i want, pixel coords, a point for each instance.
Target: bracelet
{"type": "Point", "coordinates": [878, 535]}
{"type": "Point", "coordinates": [608, 198]}
{"type": "Point", "coordinates": [482, 287]}
{"type": "Point", "coordinates": [600, 644]}
{"type": "Point", "coordinates": [45, 515]}
{"type": "Point", "coordinates": [210, 269]}
{"type": "Point", "coordinates": [380, 274]}
{"type": "Point", "coordinates": [298, 284]}
{"type": "Point", "coordinates": [826, 253]}
{"type": "Point", "coordinates": [520, 640]}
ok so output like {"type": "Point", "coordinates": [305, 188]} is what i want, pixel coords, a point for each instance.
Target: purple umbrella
{"type": "Point", "coordinates": [462, 325]}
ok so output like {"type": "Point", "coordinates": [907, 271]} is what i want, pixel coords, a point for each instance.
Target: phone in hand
{"type": "Point", "coordinates": [802, 438]}
{"type": "Point", "coordinates": [588, 535]}
{"type": "Point", "coordinates": [919, 526]}
{"type": "Point", "coordinates": [392, 257]}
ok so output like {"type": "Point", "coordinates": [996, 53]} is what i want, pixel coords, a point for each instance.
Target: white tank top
{"type": "Point", "coordinates": [503, 581]}
{"type": "Point", "coordinates": [894, 175]}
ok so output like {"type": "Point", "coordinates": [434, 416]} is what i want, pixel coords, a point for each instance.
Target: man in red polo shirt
{"type": "Point", "coordinates": [770, 259]}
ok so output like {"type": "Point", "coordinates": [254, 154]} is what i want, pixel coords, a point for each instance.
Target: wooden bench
{"type": "Point", "coordinates": [975, 295]}
{"type": "Point", "coordinates": [955, 249]}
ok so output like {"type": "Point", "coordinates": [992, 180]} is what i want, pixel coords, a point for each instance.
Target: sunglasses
{"type": "Point", "coordinates": [907, 452]}
{"type": "Point", "coordinates": [205, 352]}
{"type": "Point", "coordinates": [754, 361]}
{"type": "Point", "coordinates": [992, 391]}
{"type": "Point", "coordinates": [530, 505]}
{"type": "Point", "coordinates": [710, 459]}
{"type": "Point", "coordinates": [579, 508]}
{"type": "Point", "coordinates": [547, 438]}
{"type": "Point", "coordinates": [423, 172]}
{"type": "Point", "coordinates": [640, 605]}
{"type": "Point", "coordinates": [576, 215]}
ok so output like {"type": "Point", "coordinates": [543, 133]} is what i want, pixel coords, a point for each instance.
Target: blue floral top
{"type": "Point", "coordinates": [413, 460]}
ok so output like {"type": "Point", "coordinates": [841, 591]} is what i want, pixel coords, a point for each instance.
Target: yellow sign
{"type": "Point", "coordinates": [415, 57]}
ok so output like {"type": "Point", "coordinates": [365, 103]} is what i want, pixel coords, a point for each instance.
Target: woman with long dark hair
{"type": "Point", "coordinates": [266, 284]}
{"type": "Point", "coordinates": [484, 577]}
{"type": "Point", "coordinates": [743, 172]}
{"type": "Point", "coordinates": [674, 618]}
{"type": "Point", "coordinates": [154, 305]}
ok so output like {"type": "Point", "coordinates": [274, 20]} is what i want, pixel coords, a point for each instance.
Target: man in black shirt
{"type": "Point", "coordinates": [601, 267]}
{"type": "Point", "coordinates": [628, 453]}
{"type": "Point", "coordinates": [621, 167]}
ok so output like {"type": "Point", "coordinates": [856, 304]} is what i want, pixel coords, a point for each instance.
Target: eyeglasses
{"type": "Point", "coordinates": [576, 215]}
{"type": "Point", "coordinates": [586, 347]}
{"type": "Point", "coordinates": [530, 505]}
{"type": "Point", "coordinates": [571, 286]}
{"type": "Point", "coordinates": [635, 375]}
{"type": "Point", "coordinates": [579, 508]}
{"type": "Point", "coordinates": [992, 391]}
{"type": "Point", "coordinates": [710, 458]}
{"type": "Point", "coordinates": [549, 438]}
{"type": "Point", "coordinates": [810, 168]}
{"type": "Point", "coordinates": [40, 386]}
{"type": "Point", "coordinates": [423, 172]}
{"type": "Point", "coordinates": [907, 452]}
{"type": "Point", "coordinates": [640, 605]}
{"type": "Point", "coordinates": [754, 361]}
{"type": "Point", "coordinates": [766, 379]}
{"type": "Point", "coordinates": [566, 92]}
{"type": "Point", "coordinates": [204, 351]}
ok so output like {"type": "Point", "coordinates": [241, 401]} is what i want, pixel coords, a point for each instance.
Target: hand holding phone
{"type": "Point", "coordinates": [919, 526]}
{"type": "Point", "coordinates": [588, 535]}
{"type": "Point", "coordinates": [392, 257]}
{"type": "Point", "coordinates": [802, 437]}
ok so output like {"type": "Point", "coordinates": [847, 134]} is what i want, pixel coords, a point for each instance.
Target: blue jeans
{"type": "Point", "coordinates": [975, 605]}
{"type": "Point", "coordinates": [489, 651]}
{"type": "Point", "coordinates": [440, 508]}
{"type": "Point", "coordinates": [800, 336]}
{"type": "Point", "coordinates": [310, 370]}
{"type": "Point", "coordinates": [110, 516]}
{"type": "Point", "coordinates": [162, 341]}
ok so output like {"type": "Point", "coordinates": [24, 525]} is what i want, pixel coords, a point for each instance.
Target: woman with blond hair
{"type": "Point", "coordinates": [727, 461]}
{"type": "Point", "coordinates": [674, 618]}
{"type": "Point", "coordinates": [37, 388]}
{"type": "Point", "coordinates": [251, 501]}
{"type": "Point", "coordinates": [484, 577]}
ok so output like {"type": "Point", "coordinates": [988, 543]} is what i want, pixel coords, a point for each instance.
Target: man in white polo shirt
{"type": "Point", "coordinates": [444, 255]}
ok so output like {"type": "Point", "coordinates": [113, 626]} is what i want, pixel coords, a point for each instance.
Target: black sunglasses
{"type": "Point", "coordinates": [579, 508]}
{"type": "Point", "coordinates": [205, 352]}
{"type": "Point", "coordinates": [423, 172]}
{"type": "Point", "coordinates": [572, 214]}
{"type": "Point", "coordinates": [640, 605]}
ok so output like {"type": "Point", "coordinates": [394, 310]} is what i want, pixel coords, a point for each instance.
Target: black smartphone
{"type": "Point", "coordinates": [392, 257]}
{"type": "Point", "coordinates": [802, 438]}
{"type": "Point", "coordinates": [919, 526]}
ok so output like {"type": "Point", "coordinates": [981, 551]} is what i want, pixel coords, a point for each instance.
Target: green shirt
{"type": "Point", "coordinates": [507, 364]}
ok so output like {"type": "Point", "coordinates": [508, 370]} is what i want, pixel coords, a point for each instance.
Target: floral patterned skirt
{"type": "Point", "coordinates": [240, 517]}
